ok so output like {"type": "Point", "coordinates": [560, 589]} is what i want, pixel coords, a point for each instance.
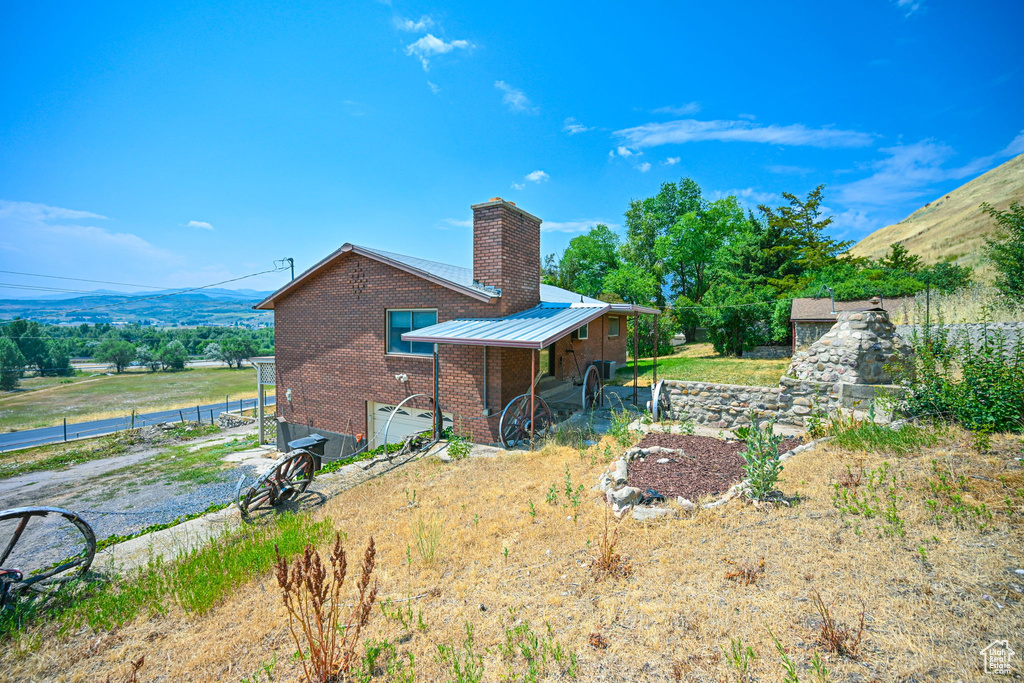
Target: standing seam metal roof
{"type": "Point", "coordinates": [533, 328]}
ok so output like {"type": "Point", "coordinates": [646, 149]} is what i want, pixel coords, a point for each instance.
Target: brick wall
{"type": "Point", "coordinates": [506, 253]}
{"type": "Point", "coordinates": [330, 339]}
{"type": "Point", "coordinates": [598, 346]}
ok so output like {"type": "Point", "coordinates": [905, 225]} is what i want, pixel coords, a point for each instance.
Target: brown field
{"type": "Point", "coordinates": [931, 599]}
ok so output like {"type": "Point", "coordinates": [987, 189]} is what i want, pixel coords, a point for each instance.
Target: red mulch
{"type": "Point", "coordinates": [713, 467]}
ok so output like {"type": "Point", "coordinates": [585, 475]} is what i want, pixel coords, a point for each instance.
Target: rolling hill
{"type": "Point", "coordinates": [952, 227]}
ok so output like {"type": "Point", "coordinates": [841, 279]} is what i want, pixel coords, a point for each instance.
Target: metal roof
{"type": "Point", "coordinates": [533, 328]}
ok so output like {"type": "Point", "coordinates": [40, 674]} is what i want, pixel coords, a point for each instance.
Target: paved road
{"type": "Point", "coordinates": [45, 435]}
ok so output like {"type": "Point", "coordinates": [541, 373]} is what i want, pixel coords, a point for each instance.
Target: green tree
{"type": "Point", "coordinates": [648, 219]}
{"type": "Point", "coordinates": [173, 356]}
{"type": "Point", "coordinates": [148, 357]}
{"type": "Point", "coordinates": [1006, 250]}
{"type": "Point", "coordinates": [237, 349]}
{"type": "Point", "coordinates": [116, 352]}
{"type": "Point", "coordinates": [58, 354]}
{"type": "Point", "coordinates": [899, 258]}
{"type": "Point", "coordinates": [737, 318]}
{"type": "Point", "coordinates": [633, 284]}
{"type": "Point", "coordinates": [947, 277]}
{"type": "Point", "coordinates": [11, 364]}
{"type": "Point", "coordinates": [31, 340]}
{"type": "Point", "coordinates": [587, 261]}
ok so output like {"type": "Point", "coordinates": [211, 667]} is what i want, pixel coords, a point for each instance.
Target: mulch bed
{"type": "Point", "coordinates": [713, 467]}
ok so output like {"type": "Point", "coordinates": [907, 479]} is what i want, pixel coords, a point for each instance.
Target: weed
{"type": "Point", "coordinates": [947, 502]}
{"type": "Point", "coordinates": [739, 658]}
{"type": "Point", "coordinates": [597, 641]}
{"type": "Point", "coordinates": [761, 463]}
{"type": "Point", "coordinates": [426, 532]}
{"type": "Point", "coordinates": [404, 617]}
{"type": "Point", "coordinates": [837, 637]}
{"type": "Point", "coordinates": [573, 495]}
{"type": "Point", "coordinates": [745, 572]}
{"type": "Point", "coordinates": [877, 496]}
{"type": "Point", "coordinates": [537, 652]}
{"type": "Point", "coordinates": [551, 497]}
{"type": "Point", "coordinates": [533, 510]}
{"type": "Point", "coordinates": [263, 669]}
{"type": "Point", "coordinates": [865, 435]}
{"type": "Point", "coordinates": [132, 675]}
{"type": "Point", "coordinates": [608, 562]}
{"type": "Point", "coordinates": [465, 664]}
{"type": "Point", "coordinates": [312, 595]}
{"type": "Point", "coordinates": [787, 663]}
{"type": "Point", "coordinates": [459, 447]}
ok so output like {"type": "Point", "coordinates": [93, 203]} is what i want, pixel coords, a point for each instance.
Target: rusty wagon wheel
{"type": "Point", "coordinates": [42, 549]}
{"type": "Point", "coordinates": [289, 477]}
{"type": "Point", "coordinates": [592, 388]}
{"type": "Point", "coordinates": [515, 423]}
{"type": "Point", "coordinates": [659, 406]}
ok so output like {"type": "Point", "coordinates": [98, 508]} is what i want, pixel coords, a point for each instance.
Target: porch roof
{"type": "Point", "coordinates": [534, 328]}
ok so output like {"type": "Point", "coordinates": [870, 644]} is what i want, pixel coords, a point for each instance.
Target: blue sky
{"type": "Point", "coordinates": [186, 143]}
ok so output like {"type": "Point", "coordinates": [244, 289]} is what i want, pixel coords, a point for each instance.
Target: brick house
{"type": "Point", "coordinates": [356, 334]}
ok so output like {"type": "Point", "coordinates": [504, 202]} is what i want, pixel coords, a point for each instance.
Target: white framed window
{"type": "Point", "coordinates": [402, 320]}
{"type": "Point", "coordinates": [613, 326]}
{"type": "Point", "coordinates": [583, 332]}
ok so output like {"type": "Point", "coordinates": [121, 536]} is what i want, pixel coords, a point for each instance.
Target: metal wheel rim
{"type": "Point", "coordinates": [514, 426]}
{"type": "Point", "coordinates": [591, 388]}
{"type": "Point", "coordinates": [50, 580]}
{"type": "Point", "coordinates": [288, 468]}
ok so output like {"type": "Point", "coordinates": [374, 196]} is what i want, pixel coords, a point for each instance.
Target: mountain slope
{"type": "Point", "coordinates": [952, 227]}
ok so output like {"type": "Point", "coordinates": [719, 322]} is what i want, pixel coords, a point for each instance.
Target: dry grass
{"type": "Point", "coordinates": [971, 305]}
{"type": "Point", "coordinates": [932, 598]}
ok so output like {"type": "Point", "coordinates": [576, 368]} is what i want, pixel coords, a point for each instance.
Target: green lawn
{"type": "Point", "coordinates": [700, 363]}
{"type": "Point", "coordinates": [99, 397]}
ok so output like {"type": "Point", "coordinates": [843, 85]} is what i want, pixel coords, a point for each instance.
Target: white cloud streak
{"type": "Point", "coordinates": [430, 46]}
{"type": "Point", "coordinates": [574, 127]}
{"type": "Point", "coordinates": [748, 196]}
{"type": "Point", "coordinates": [575, 226]}
{"type": "Point", "coordinates": [515, 99]}
{"type": "Point", "coordinates": [672, 161]}
{"type": "Point", "coordinates": [692, 130]}
{"type": "Point", "coordinates": [537, 176]}
{"type": "Point", "coordinates": [200, 224]}
{"type": "Point", "coordinates": [410, 26]}
{"type": "Point", "coordinates": [644, 167]}
{"type": "Point", "coordinates": [679, 110]}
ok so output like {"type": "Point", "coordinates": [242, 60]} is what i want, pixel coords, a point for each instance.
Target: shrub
{"type": "Point", "coordinates": [980, 386]}
{"type": "Point", "coordinates": [761, 463]}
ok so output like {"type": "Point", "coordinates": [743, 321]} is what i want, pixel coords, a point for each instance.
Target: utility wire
{"type": "Point", "coordinates": [79, 279]}
{"type": "Point", "coordinates": [162, 296]}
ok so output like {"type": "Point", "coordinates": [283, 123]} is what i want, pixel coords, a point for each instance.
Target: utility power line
{"type": "Point", "coordinates": [79, 279]}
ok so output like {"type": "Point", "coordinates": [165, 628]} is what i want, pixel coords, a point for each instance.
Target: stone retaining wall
{"type": "Point", "coordinates": [1013, 332]}
{"type": "Point", "coordinates": [768, 352]}
{"type": "Point", "coordinates": [725, 406]}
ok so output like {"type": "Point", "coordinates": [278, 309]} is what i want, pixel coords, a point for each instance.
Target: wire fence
{"type": "Point", "coordinates": [199, 414]}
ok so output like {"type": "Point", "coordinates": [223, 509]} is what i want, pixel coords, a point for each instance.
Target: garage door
{"type": "Point", "coordinates": [406, 421]}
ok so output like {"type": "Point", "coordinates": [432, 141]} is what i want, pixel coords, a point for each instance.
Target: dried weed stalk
{"type": "Point", "coordinates": [836, 637]}
{"type": "Point", "coordinates": [597, 641]}
{"type": "Point", "coordinates": [608, 561]}
{"type": "Point", "coordinates": [850, 479]}
{"type": "Point", "coordinates": [745, 572]}
{"type": "Point", "coordinates": [312, 595]}
{"type": "Point", "coordinates": [132, 675]}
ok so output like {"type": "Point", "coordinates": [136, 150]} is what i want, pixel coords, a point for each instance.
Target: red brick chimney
{"type": "Point", "coordinates": [506, 253]}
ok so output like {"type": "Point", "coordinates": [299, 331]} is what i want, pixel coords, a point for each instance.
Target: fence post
{"type": "Point", "coordinates": [182, 417]}
{"type": "Point", "coordinates": [199, 417]}
{"type": "Point", "coordinates": [226, 408]}
{"type": "Point", "coordinates": [65, 430]}
{"type": "Point", "coordinates": [133, 418]}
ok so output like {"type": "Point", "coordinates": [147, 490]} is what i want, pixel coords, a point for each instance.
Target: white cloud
{"type": "Point", "coordinates": [692, 130]}
{"type": "Point", "coordinates": [450, 223]}
{"type": "Point", "coordinates": [748, 195]}
{"type": "Point", "coordinates": [515, 99]}
{"type": "Point", "coordinates": [623, 151]}
{"type": "Point", "coordinates": [748, 117]}
{"type": "Point", "coordinates": [433, 88]}
{"type": "Point", "coordinates": [575, 226]}
{"type": "Point", "coordinates": [910, 6]}
{"type": "Point", "coordinates": [30, 211]}
{"type": "Point", "coordinates": [429, 45]}
{"type": "Point", "coordinates": [680, 110]}
{"type": "Point", "coordinates": [574, 127]}
{"type": "Point", "coordinates": [200, 224]}
{"type": "Point", "coordinates": [672, 161]}
{"type": "Point", "coordinates": [644, 167]}
{"type": "Point", "coordinates": [403, 24]}
{"type": "Point", "coordinates": [537, 176]}
{"type": "Point", "coordinates": [518, 186]}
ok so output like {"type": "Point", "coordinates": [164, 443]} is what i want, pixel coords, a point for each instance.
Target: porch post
{"type": "Point", "coordinates": [533, 393]}
{"type": "Point", "coordinates": [655, 379]}
{"type": "Point", "coordinates": [437, 408]}
{"type": "Point", "coordinates": [259, 409]}
{"type": "Point", "coordinates": [636, 337]}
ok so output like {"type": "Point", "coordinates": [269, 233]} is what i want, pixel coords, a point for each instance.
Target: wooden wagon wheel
{"type": "Point", "coordinates": [659, 406]}
{"type": "Point", "coordinates": [514, 426]}
{"type": "Point", "coordinates": [592, 387]}
{"type": "Point", "coordinates": [50, 547]}
{"type": "Point", "coordinates": [288, 478]}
